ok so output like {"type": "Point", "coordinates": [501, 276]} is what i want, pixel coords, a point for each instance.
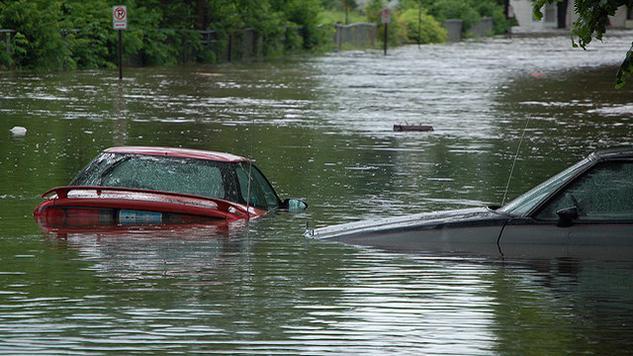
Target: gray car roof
{"type": "Point", "coordinates": [615, 152]}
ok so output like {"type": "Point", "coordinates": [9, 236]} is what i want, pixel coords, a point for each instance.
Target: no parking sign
{"type": "Point", "coordinates": [385, 16]}
{"type": "Point", "coordinates": [119, 23]}
{"type": "Point", "coordinates": [119, 17]}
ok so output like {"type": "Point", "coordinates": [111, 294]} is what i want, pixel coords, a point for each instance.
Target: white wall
{"type": "Point", "coordinates": [523, 13]}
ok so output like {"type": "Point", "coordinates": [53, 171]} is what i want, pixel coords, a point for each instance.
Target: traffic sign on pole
{"type": "Point", "coordinates": [385, 15]}
{"type": "Point", "coordinates": [119, 17]}
{"type": "Point", "coordinates": [119, 23]}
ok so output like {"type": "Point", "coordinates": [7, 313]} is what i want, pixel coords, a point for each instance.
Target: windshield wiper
{"type": "Point", "coordinates": [111, 168]}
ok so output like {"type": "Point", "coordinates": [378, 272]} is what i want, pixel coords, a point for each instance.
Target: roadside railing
{"type": "Point", "coordinates": [356, 35]}
{"type": "Point", "coordinates": [6, 34]}
{"type": "Point", "coordinates": [248, 43]}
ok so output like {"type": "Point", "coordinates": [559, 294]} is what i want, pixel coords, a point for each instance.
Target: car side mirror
{"type": "Point", "coordinates": [566, 216]}
{"type": "Point", "coordinates": [294, 205]}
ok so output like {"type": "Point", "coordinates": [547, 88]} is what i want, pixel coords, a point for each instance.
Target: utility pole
{"type": "Point", "coordinates": [419, 24]}
{"type": "Point", "coordinates": [385, 16]}
{"type": "Point", "coordinates": [120, 54]}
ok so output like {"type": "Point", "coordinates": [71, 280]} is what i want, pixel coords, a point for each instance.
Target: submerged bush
{"type": "Point", "coordinates": [455, 9]}
{"type": "Point", "coordinates": [430, 30]}
{"type": "Point", "coordinates": [469, 11]}
{"type": "Point", "coordinates": [495, 11]}
{"type": "Point", "coordinates": [38, 41]}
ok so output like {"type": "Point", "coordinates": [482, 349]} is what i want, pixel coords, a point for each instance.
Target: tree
{"type": "Point", "coordinates": [347, 6]}
{"type": "Point", "coordinates": [592, 22]}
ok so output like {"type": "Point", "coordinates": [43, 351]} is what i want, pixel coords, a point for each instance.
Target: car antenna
{"type": "Point", "coordinates": [248, 189]}
{"type": "Point", "coordinates": [514, 161]}
{"type": "Point", "coordinates": [250, 176]}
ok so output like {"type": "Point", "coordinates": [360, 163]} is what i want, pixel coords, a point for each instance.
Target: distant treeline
{"type": "Point", "coordinates": [68, 34]}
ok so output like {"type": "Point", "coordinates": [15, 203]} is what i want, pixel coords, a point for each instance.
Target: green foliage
{"type": "Point", "coordinates": [373, 9]}
{"type": "Point", "coordinates": [592, 22]}
{"type": "Point", "coordinates": [626, 69]}
{"type": "Point", "coordinates": [397, 33]}
{"type": "Point", "coordinates": [331, 17]}
{"type": "Point", "coordinates": [330, 4]}
{"type": "Point", "coordinates": [67, 34]}
{"type": "Point", "coordinates": [430, 30]}
{"type": "Point", "coordinates": [469, 11]}
{"type": "Point", "coordinates": [5, 56]}
{"type": "Point", "coordinates": [455, 9]}
{"type": "Point", "coordinates": [145, 39]}
{"type": "Point", "coordinates": [87, 35]}
{"type": "Point", "coordinates": [495, 11]}
{"type": "Point", "coordinates": [38, 41]}
{"type": "Point", "coordinates": [304, 14]}
{"type": "Point", "coordinates": [20, 46]}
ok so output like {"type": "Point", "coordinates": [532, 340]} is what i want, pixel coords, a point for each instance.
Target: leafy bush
{"type": "Point", "coordinates": [491, 9]}
{"type": "Point", "coordinates": [87, 34]}
{"type": "Point", "coordinates": [5, 57]}
{"type": "Point", "coordinates": [331, 17]}
{"type": "Point", "coordinates": [303, 14]}
{"type": "Point", "coordinates": [397, 31]}
{"type": "Point", "coordinates": [67, 34]}
{"type": "Point", "coordinates": [146, 39]}
{"type": "Point", "coordinates": [430, 30]}
{"type": "Point", "coordinates": [455, 9]}
{"type": "Point", "coordinates": [469, 11]}
{"type": "Point", "coordinates": [372, 9]}
{"type": "Point", "coordinates": [38, 41]}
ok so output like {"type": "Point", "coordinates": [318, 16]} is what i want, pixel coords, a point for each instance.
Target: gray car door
{"type": "Point", "coordinates": [602, 240]}
{"type": "Point", "coordinates": [531, 238]}
{"type": "Point", "coordinates": [599, 219]}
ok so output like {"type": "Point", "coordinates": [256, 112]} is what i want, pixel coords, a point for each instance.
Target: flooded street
{"type": "Point", "coordinates": [320, 128]}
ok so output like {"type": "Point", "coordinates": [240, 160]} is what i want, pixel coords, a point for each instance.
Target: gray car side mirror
{"type": "Point", "coordinates": [566, 216]}
{"type": "Point", "coordinates": [294, 205]}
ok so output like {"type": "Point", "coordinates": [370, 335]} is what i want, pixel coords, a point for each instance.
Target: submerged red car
{"type": "Point", "coordinates": [159, 185]}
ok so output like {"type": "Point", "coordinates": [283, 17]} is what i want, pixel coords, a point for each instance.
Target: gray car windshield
{"type": "Point", "coordinates": [525, 203]}
{"type": "Point", "coordinates": [179, 175]}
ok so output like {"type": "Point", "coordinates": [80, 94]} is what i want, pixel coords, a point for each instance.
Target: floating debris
{"type": "Point", "coordinates": [18, 131]}
{"type": "Point", "coordinates": [412, 127]}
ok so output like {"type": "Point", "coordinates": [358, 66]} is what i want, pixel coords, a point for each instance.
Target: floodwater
{"type": "Point", "coordinates": [321, 128]}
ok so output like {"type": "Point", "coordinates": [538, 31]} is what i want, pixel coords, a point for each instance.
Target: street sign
{"type": "Point", "coordinates": [119, 17]}
{"type": "Point", "coordinates": [385, 14]}
{"type": "Point", "coordinates": [119, 23]}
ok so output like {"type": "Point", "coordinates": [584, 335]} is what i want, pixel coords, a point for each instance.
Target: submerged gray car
{"type": "Point", "coordinates": [584, 211]}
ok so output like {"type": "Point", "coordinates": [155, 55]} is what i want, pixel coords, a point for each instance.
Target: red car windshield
{"type": "Point", "coordinates": [205, 178]}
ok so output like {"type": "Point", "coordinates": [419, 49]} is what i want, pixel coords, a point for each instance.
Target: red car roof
{"type": "Point", "coordinates": [178, 152]}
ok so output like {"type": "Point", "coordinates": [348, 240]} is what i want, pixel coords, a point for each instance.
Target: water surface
{"type": "Point", "coordinates": [321, 128]}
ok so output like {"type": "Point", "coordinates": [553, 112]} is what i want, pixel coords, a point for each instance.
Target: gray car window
{"type": "Point", "coordinates": [261, 193]}
{"type": "Point", "coordinates": [525, 203]}
{"type": "Point", "coordinates": [603, 193]}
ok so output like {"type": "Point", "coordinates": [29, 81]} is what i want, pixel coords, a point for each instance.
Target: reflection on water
{"type": "Point", "coordinates": [322, 129]}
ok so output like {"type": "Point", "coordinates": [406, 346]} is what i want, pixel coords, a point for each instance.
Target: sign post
{"type": "Point", "coordinates": [119, 23]}
{"type": "Point", "coordinates": [385, 15]}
